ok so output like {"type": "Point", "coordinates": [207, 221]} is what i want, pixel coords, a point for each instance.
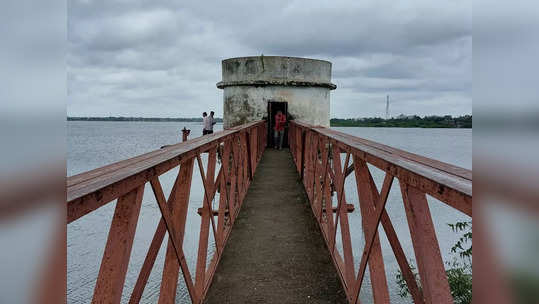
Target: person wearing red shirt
{"type": "Point", "coordinates": [280, 120]}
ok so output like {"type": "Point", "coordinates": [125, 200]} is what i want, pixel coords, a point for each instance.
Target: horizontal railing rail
{"type": "Point", "coordinates": [239, 150]}
{"type": "Point", "coordinates": [316, 150]}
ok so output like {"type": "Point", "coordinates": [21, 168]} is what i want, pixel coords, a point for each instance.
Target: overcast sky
{"type": "Point", "coordinates": [163, 58]}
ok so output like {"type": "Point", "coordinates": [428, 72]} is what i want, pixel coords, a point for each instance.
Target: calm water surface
{"type": "Point", "coordinates": [95, 144]}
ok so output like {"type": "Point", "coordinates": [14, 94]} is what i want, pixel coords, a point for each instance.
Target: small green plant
{"type": "Point", "coordinates": [403, 287]}
{"type": "Point", "coordinates": [459, 276]}
{"type": "Point", "coordinates": [459, 272]}
{"type": "Point", "coordinates": [466, 227]}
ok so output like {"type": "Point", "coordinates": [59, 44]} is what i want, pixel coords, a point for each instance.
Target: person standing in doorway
{"type": "Point", "coordinates": [204, 123]}
{"type": "Point", "coordinates": [278, 130]}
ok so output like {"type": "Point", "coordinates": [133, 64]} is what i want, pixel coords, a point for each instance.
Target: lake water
{"type": "Point", "coordinates": [95, 144]}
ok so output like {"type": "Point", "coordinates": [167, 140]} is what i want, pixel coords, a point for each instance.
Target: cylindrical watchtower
{"type": "Point", "coordinates": [254, 87]}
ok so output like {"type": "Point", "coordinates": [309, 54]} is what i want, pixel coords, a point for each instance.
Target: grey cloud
{"type": "Point", "coordinates": [162, 58]}
{"type": "Point", "coordinates": [358, 28]}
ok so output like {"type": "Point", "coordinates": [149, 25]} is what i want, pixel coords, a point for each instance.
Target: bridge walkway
{"type": "Point", "coordinates": [276, 253]}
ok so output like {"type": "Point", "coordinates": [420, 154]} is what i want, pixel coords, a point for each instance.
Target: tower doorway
{"type": "Point", "coordinates": [273, 108]}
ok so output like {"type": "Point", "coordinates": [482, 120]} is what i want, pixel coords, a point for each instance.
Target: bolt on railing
{"type": "Point", "coordinates": [317, 154]}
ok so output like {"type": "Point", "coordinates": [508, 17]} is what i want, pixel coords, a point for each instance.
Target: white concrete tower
{"type": "Point", "coordinates": [254, 87]}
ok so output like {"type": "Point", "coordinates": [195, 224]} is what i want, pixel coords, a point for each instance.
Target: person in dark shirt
{"type": "Point", "coordinates": [280, 121]}
{"type": "Point", "coordinates": [211, 123]}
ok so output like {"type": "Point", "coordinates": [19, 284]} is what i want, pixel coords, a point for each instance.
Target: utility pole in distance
{"type": "Point", "coordinates": [387, 107]}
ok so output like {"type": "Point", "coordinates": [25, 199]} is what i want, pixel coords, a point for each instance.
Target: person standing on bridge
{"type": "Point", "coordinates": [204, 123]}
{"type": "Point", "coordinates": [211, 122]}
{"type": "Point", "coordinates": [208, 122]}
{"type": "Point", "coordinates": [280, 121]}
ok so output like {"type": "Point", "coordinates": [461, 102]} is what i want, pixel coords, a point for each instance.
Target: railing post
{"type": "Point", "coordinates": [232, 174]}
{"type": "Point", "coordinates": [302, 160]}
{"type": "Point", "coordinates": [185, 133]}
{"type": "Point", "coordinates": [314, 164]}
{"type": "Point", "coordinates": [326, 191]}
{"type": "Point", "coordinates": [425, 243]}
{"type": "Point", "coordinates": [253, 146]}
{"type": "Point", "coordinates": [110, 282]}
{"type": "Point", "coordinates": [307, 176]}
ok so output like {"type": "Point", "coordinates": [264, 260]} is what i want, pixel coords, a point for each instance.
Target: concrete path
{"type": "Point", "coordinates": [275, 253]}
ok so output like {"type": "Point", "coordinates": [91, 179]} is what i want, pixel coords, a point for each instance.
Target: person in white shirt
{"type": "Point", "coordinates": [208, 121]}
{"type": "Point", "coordinates": [205, 121]}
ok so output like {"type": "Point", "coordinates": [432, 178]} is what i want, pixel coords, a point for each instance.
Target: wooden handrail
{"type": "Point", "coordinates": [90, 190]}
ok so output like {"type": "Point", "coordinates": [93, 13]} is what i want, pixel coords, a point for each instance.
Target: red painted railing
{"type": "Point", "coordinates": [239, 150]}
{"type": "Point", "coordinates": [315, 151]}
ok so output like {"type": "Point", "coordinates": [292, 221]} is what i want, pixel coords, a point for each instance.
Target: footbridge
{"type": "Point", "coordinates": [274, 224]}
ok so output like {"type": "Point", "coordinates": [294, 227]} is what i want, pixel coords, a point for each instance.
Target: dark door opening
{"type": "Point", "coordinates": [273, 107]}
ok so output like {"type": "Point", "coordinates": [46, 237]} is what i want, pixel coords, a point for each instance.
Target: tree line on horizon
{"type": "Point", "coordinates": [121, 118]}
{"type": "Point", "coordinates": [402, 121]}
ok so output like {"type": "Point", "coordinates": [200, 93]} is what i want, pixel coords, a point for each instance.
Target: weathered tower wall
{"type": "Point", "coordinates": [249, 83]}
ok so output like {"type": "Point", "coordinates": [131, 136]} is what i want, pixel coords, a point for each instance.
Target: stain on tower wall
{"type": "Point", "coordinates": [243, 104]}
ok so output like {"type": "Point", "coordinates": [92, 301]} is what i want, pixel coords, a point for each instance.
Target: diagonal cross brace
{"type": "Point", "coordinates": [380, 208]}
{"type": "Point", "coordinates": [204, 181]}
{"type": "Point", "coordinates": [167, 217]}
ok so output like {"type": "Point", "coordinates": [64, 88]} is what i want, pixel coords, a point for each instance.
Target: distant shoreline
{"type": "Point", "coordinates": [401, 121]}
{"type": "Point", "coordinates": [396, 126]}
{"type": "Point", "coordinates": [463, 122]}
{"type": "Point", "coordinates": [150, 119]}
